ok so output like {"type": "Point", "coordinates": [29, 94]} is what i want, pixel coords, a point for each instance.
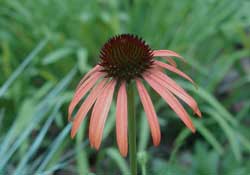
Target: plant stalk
{"type": "Point", "coordinates": [132, 130]}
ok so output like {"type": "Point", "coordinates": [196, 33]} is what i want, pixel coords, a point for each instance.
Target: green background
{"type": "Point", "coordinates": [46, 46]}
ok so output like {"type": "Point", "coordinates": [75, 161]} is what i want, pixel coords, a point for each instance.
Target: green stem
{"type": "Point", "coordinates": [132, 130]}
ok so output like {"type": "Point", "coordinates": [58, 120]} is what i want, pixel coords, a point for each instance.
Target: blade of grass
{"type": "Point", "coordinates": [6, 150]}
{"type": "Point", "coordinates": [244, 111]}
{"type": "Point", "coordinates": [244, 141]}
{"type": "Point", "coordinates": [25, 113]}
{"type": "Point", "coordinates": [82, 155]}
{"type": "Point", "coordinates": [110, 124]}
{"type": "Point", "coordinates": [224, 64]}
{"type": "Point", "coordinates": [1, 120]}
{"type": "Point", "coordinates": [65, 160]}
{"type": "Point", "coordinates": [118, 159]}
{"type": "Point", "coordinates": [22, 66]}
{"type": "Point", "coordinates": [229, 132]}
{"type": "Point", "coordinates": [209, 137]}
{"type": "Point", "coordinates": [57, 55]}
{"type": "Point", "coordinates": [178, 143]}
{"type": "Point", "coordinates": [37, 142]}
{"type": "Point", "coordinates": [53, 148]}
{"type": "Point", "coordinates": [143, 133]}
{"type": "Point", "coordinates": [210, 99]}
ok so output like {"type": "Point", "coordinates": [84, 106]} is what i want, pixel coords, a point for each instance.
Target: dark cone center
{"type": "Point", "coordinates": [125, 57]}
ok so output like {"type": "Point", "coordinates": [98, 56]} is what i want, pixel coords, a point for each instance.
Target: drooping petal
{"type": "Point", "coordinates": [171, 61]}
{"type": "Point", "coordinates": [122, 120]}
{"type": "Point", "coordinates": [85, 107]}
{"type": "Point", "coordinates": [95, 69]}
{"type": "Point", "coordinates": [150, 112]}
{"type": "Point", "coordinates": [100, 113]}
{"type": "Point", "coordinates": [175, 70]}
{"type": "Point", "coordinates": [171, 101]}
{"type": "Point", "coordinates": [167, 53]}
{"type": "Point", "coordinates": [82, 91]}
{"type": "Point", "coordinates": [172, 86]}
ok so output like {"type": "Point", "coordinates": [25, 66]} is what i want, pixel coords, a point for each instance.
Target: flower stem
{"type": "Point", "coordinates": [132, 130]}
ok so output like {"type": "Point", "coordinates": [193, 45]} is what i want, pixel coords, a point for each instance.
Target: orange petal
{"type": "Point", "coordinates": [171, 61]}
{"type": "Point", "coordinates": [82, 91]}
{"type": "Point", "coordinates": [122, 120]}
{"type": "Point", "coordinates": [85, 107]}
{"type": "Point", "coordinates": [100, 113]}
{"type": "Point", "coordinates": [171, 101]}
{"type": "Point", "coordinates": [172, 86]}
{"type": "Point", "coordinates": [96, 68]}
{"type": "Point", "coordinates": [175, 70]}
{"type": "Point", "coordinates": [167, 53]}
{"type": "Point", "coordinates": [150, 112]}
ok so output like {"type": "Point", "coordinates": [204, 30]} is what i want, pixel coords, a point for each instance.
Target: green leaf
{"type": "Point", "coordinates": [57, 55]}
{"type": "Point", "coordinates": [208, 135]}
{"type": "Point", "coordinates": [22, 66]}
{"type": "Point", "coordinates": [82, 154]}
{"type": "Point", "coordinates": [229, 132]}
{"type": "Point", "coordinates": [34, 147]}
{"type": "Point", "coordinates": [118, 159]}
{"type": "Point", "coordinates": [41, 110]}
{"type": "Point", "coordinates": [178, 143]}
{"type": "Point", "coordinates": [210, 99]}
{"type": "Point", "coordinates": [143, 133]}
{"type": "Point", "coordinates": [53, 148]}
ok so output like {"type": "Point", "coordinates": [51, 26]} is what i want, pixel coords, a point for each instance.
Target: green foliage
{"type": "Point", "coordinates": [202, 161]}
{"type": "Point", "coordinates": [47, 45]}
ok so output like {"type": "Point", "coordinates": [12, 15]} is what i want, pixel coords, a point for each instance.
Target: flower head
{"type": "Point", "coordinates": [126, 57]}
{"type": "Point", "coordinates": [122, 59]}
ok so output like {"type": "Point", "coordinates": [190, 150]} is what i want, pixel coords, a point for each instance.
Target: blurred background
{"type": "Point", "coordinates": [46, 46]}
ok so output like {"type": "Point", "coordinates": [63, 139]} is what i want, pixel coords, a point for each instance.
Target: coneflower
{"type": "Point", "coordinates": [123, 59]}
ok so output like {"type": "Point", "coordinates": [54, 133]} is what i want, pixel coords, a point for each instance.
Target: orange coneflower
{"type": "Point", "coordinates": [122, 59]}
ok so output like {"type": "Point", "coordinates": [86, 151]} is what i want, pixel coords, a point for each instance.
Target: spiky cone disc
{"type": "Point", "coordinates": [126, 57]}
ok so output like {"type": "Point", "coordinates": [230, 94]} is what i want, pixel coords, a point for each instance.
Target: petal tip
{"type": "Point", "coordinates": [70, 118]}
{"type": "Point", "coordinates": [124, 153]}
{"type": "Point", "coordinates": [97, 146]}
{"type": "Point", "coordinates": [157, 143]}
{"type": "Point", "coordinates": [198, 112]}
{"type": "Point", "coordinates": [193, 130]}
{"type": "Point", "coordinates": [72, 134]}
